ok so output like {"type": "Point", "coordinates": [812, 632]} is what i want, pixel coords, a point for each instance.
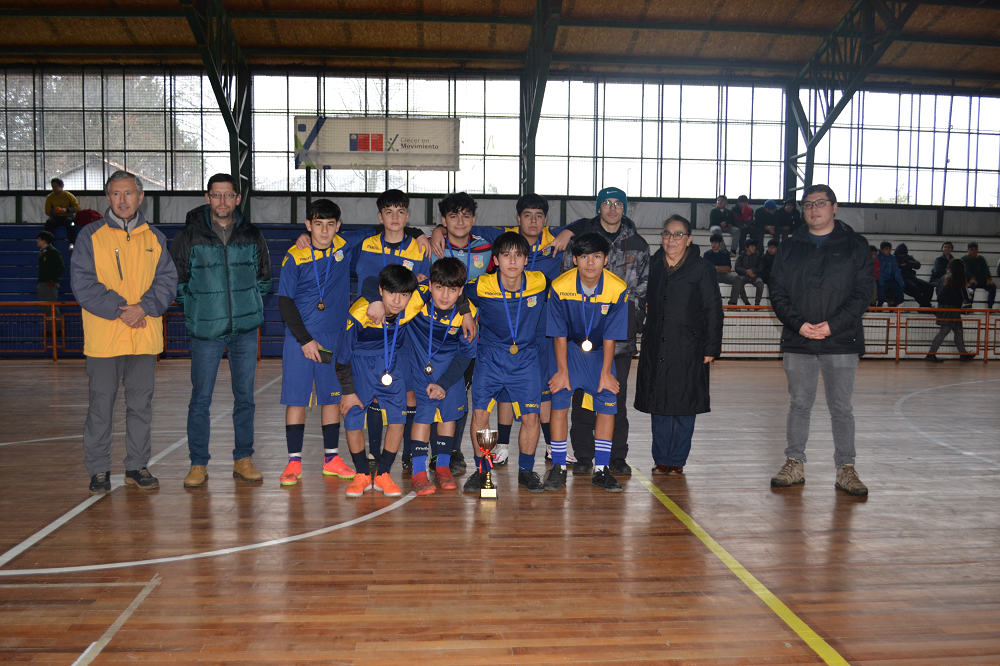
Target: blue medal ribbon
{"type": "Point", "coordinates": [468, 254]}
{"type": "Point", "coordinates": [517, 322]}
{"type": "Point", "coordinates": [326, 277]}
{"type": "Point", "coordinates": [430, 336]}
{"type": "Point", "coordinates": [382, 241]}
{"type": "Point", "coordinates": [389, 351]}
{"type": "Point", "coordinates": [583, 302]}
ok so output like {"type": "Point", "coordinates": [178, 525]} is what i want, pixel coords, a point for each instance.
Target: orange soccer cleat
{"type": "Point", "coordinates": [384, 483]}
{"type": "Point", "coordinates": [292, 473]}
{"type": "Point", "coordinates": [337, 467]}
{"type": "Point", "coordinates": [359, 485]}
{"type": "Point", "coordinates": [422, 485]}
{"type": "Point", "coordinates": [445, 478]}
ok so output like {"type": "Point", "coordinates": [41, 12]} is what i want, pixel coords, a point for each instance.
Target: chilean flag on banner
{"type": "Point", "coordinates": [367, 143]}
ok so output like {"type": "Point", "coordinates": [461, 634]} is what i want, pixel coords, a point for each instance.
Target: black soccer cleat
{"type": "Point", "coordinates": [530, 480]}
{"type": "Point", "coordinates": [457, 463]}
{"type": "Point", "coordinates": [603, 479]}
{"type": "Point", "coordinates": [474, 483]}
{"type": "Point", "coordinates": [100, 483]}
{"type": "Point", "coordinates": [141, 478]}
{"type": "Point", "coordinates": [407, 465]}
{"type": "Point", "coordinates": [620, 467]}
{"type": "Point", "coordinates": [583, 465]}
{"type": "Point", "coordinates": [556, 478]}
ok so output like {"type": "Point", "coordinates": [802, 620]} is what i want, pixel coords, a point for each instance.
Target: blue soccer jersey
{"type": "Point", "coordinates": [475, 255]}
{"type": "Point", "coordinates": [373, 254]}
{"type": "Point", "coordinates": [542, 258]}
{"type": "Point", "coordinates": [309, 276]}
{"type": "Point", "coordinates": [433, 344]}
{"type": "Point", "coordinates": [580, 318]}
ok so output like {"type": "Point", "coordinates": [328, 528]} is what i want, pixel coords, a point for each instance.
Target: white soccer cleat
{"type": "Point", "coordinates": [502, 455]}
{"type": "Point", "coordinates": [570, 460]}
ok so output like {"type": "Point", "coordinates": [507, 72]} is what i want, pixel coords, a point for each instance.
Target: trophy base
{"type": "Point", "coordinates": [488, 493]}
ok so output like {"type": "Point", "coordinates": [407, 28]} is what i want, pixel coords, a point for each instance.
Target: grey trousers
{"type": "Point", "coordinates": [803, 372]}
{"type": "Point", "coordinates": [737, 282]}
{"type": "Point", "coordinates": [105, 374]}
{"type": "Point", "coordinates": [946, 328]}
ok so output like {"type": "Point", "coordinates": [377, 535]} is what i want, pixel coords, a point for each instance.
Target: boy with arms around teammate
{"type": "Point", "coordinates": [511, 306]}
{"type": "Point", "coordinates": [368, 369]}
{"type": "Point", "coordinates": [587, 314]}
{"type": "Point", "coordinates": [313, 298]}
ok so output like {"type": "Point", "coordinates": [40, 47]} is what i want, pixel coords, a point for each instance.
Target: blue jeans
{"type": "Point", "coordinates": [672, 439]}
{"type": "Point", "coordinates": [205, 358]}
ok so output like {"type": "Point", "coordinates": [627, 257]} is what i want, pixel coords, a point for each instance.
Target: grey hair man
{"type": "Point", "coordinates": [124, 279]}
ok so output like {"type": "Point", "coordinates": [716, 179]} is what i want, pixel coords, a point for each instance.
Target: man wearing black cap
{"type": "Point", "coordinates": [629, 260]}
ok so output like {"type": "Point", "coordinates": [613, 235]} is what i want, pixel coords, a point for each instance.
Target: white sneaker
{"type": "Point", "coordinates": [570, 460]}
{"type": "Point", "coordinates": [502, 455]}
{"type": "Point", "coordinates": [548, 452]}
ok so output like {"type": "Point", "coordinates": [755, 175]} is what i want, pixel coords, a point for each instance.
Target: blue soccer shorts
{"type": "Point", "coordinates": [585, 373]}
{"type": "Point", "coordinates": [298, 374]}
{"type": "Point", "coordinates": [497, 369]}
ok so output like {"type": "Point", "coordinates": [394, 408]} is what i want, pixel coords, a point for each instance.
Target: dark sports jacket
{"type": "Point", "coordinates": [221, 287]}
{"type": "Point", "coordinates": [832, 282]}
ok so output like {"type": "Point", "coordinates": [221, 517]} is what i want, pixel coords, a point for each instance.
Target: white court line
{"type": "Point", "coordinates": [116, 482]}
{"type": "Point", "coordinates": [211, 553]}
{"type": "Point", "coordinates": [11, 586]}
{"type": "Point", "coordinates": [95, 648]}
{"type": "Point", "coordinates": [898, 408]}
{"type": "Point", "coordinates": [53, 439]}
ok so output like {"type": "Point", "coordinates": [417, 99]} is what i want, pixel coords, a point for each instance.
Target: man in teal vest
{"type": "Point", "coordinates": [223, 273]}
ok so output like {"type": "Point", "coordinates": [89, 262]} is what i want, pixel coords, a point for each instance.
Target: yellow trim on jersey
{"type": "Point", "coordinates": [309, 254]}
{"type": "Point", "coordinates": [412, 251]}
{"type": "Point", "coordinates": [489, 285]}
{"type": "Point", "coordinates": [546, 236]}
{"type": "Point", "coordinates": [359, 311]}
{"type": "Point", "coordinates": [565, 287]}
{"type": "Point", "coordinates": [437, 416]}
{"type": "Point", "coordinates": [515, 405]}
{"type": "Point", "coordinates": [457, 319]}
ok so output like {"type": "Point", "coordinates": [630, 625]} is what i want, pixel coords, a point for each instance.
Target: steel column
{"type": "Point", "coordinates": [536, 74]}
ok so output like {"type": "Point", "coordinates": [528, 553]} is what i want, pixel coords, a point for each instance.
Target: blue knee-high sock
{"type": "Point", "coordinates": [407, 430]}
{"type": "Point", "coordinates": [374, 423]}
{"type": "Point", "coordinates": [419, 456]}
{"type": "Point", "coordinates": [526, 461]}
{"type": "Point", "coordinates": [504, 436]}
{"type": "Point", "coordinates": [602, 453]}
{"type": "Point", "coordinates": [331, 439]}
{"type": "Point", "coordinates": [442, 448]}
{"type": "Point", "coordinates": [547, 434]}
{"type": "Point", "coordinates": [559, 454]}
{"type": "Point", "coordinates": [294, 434]}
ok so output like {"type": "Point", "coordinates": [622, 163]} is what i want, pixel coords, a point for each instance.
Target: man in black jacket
{"type": "Point", "coordinates": [921, 291]}
{"type": "Point", "coordinates": [821, 284]}
{"type": "Point", "coordinates": [941, 263]}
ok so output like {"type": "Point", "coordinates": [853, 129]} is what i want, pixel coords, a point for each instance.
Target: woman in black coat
{"type": "Point", "coordinates": [683, 334]}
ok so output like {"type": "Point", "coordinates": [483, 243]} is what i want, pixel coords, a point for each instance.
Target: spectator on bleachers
{"type": "Point", "coordinates": [941, 263]}
{"type": "Point", "coordinates": [124, 279]}
{"type": "Point", "coordinates": [787, 220]}
{"type": "Point", "coordinates": [724, 268]}
{"type": "Point", "coordinates": [875, 256]}
{"type": "Point", "coordinates": [61, 208]}
{"type": "Point", "coordinates": [920, 290]}
{"type": "Point", "coordinates": [749, 266]}
{"type": "Point", "coordinates": [977, 272]}
{"type": "Point", "coordinates": [743, 214]}
{"type": "Point", "coordinates": [951, 293]}
{"type": "Point", "coordinates": [223, 271]}
{"type": "Point", "coordinates": [764, 220]}
{"type": "Point", "coordinates": [50, 267]}
{"type": "Point", "coordinates": [767, 261]}
{"type": "Point", "coordinates": [722, 221]}
{"type": "Point", "coordinates": [889, 277]}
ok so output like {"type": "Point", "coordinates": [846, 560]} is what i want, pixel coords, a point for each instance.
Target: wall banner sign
{"type": "Point", "coordinates": [376, 142]}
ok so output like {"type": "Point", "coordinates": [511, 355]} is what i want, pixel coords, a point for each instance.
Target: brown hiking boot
{"type": "Point", "coordinates": [847, 479]}
{"type": "Point", "coordinates": [244, 469]}
{"type": "Point", "coordinates": [792, 472]}
{"type": "Point", "coordinates": [196, 477]}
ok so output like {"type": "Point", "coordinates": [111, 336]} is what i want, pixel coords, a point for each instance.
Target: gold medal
{"type": "Point", "coordinates": [386, 379]}
{"type": "Point", "coordinates": [586, 345]}
{"type": "Point", "coordinates": [428, 369]}
{"type": "Point", "coordinates": [513, 349]}
{"type": "Point", "coordinates": [321, 306]}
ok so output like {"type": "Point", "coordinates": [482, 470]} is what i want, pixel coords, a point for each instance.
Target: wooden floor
{"type": "Point", "coordinates": [909, 576]}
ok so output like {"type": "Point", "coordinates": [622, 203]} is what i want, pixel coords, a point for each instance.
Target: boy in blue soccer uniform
{"type": "Point", "coordinates": [587, 313]}
{"type": "Point", "coordinates": [511, 306]}
{"type": "Point", "coordinates": [392, 245]}
{"type": "Point", "coordinates": [312, 298]}
{"type": "Point", "coordinates": [368, 369]}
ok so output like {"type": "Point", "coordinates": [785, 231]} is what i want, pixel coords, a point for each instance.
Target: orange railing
{"type": "Point", "coordinates": [33, 326]}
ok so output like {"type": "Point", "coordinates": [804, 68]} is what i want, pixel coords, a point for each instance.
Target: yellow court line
{"type": "Point", "coordinates": [812, 639]}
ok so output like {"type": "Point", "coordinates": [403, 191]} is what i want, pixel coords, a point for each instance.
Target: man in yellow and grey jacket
{"type": "Point", "coordinates": [124, 279]}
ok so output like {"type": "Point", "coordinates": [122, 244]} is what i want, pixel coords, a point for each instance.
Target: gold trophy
{"type": "Point", "coordinates": [487, 441]}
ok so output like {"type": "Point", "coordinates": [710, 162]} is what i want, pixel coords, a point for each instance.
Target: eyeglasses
{"type": "Point", "coordinates": [819, 203]}
{"type": "Point", "coordinates": [676, 235]}
{"type": "Point", "coordinates": [228, 196]}
{"type": "Point", "coordinates": [612, 203]}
